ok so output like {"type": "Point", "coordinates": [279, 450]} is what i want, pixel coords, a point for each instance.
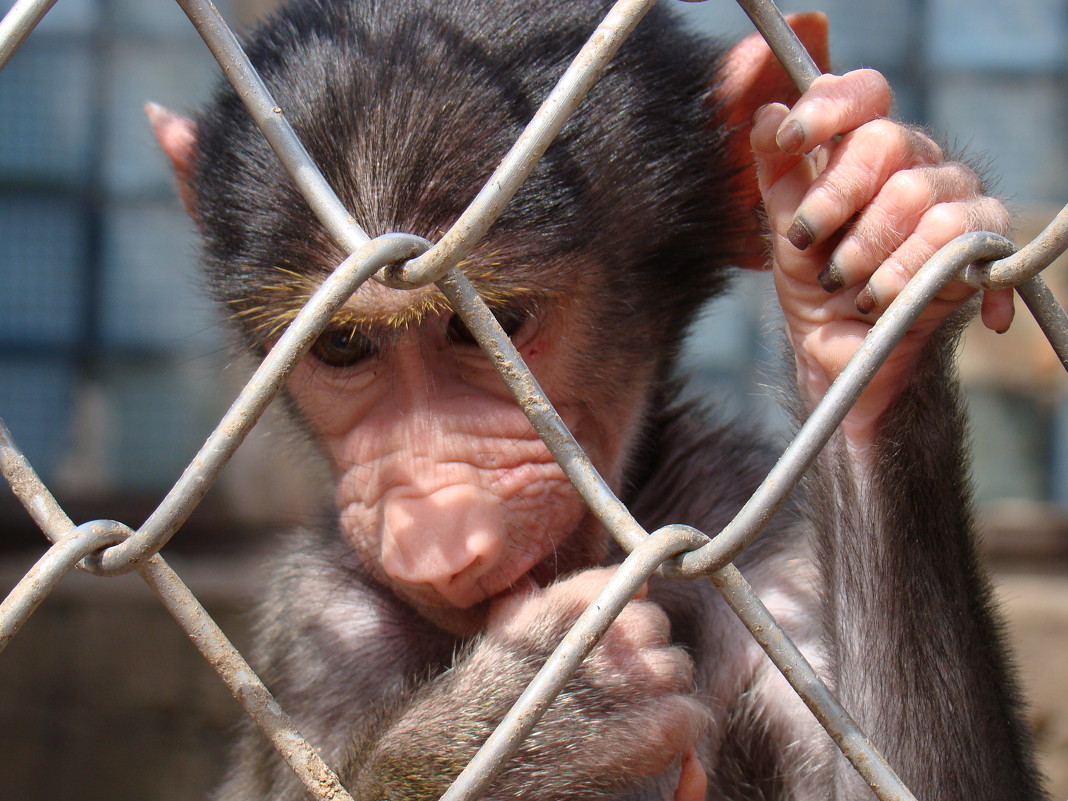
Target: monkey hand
{"type": "Point", "coordinates": [851, 221]}
{"type": "Point", "coordinates": [627, 713]}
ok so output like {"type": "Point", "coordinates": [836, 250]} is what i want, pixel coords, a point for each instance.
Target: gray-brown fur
{"type": "Point", "coordinates": [407, 106]}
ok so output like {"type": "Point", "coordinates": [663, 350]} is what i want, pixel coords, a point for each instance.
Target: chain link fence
{"type": "Point", "coordinates": [109, 547]}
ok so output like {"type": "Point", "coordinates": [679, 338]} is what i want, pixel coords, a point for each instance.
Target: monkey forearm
{"type": "Point", "coordinates": [420, 745]}
{"type": "Point", "coordinates": [907, 605]}
{"type": "Point", "coordinates": [422, 742]}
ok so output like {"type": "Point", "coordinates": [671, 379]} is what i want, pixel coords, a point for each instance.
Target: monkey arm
{"type": "Point", "coordinates": [624, 716]}
{"type": "Point", "coordinates": [914, 648]}
{"type": "Point", "coordinates": [419, 744]}
{"type": "Point", "coordinates": [912, 645]}
{"type": "Point", "coordinates": [419, 741]}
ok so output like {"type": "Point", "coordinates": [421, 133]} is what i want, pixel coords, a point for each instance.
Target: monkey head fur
{"type": "Point", "coordinates": [629, 222]}
{"type": "Point", "coordinates": [407, 113]}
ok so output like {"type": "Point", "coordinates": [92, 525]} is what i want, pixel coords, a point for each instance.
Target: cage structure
{"type": "Point", "coordinates": [109, 547]}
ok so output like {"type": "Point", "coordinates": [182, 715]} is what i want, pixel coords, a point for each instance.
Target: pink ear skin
{"type": "Point", "coordinates": [177, 135]}
{"type": "Point", "coordinates": [752, 77]}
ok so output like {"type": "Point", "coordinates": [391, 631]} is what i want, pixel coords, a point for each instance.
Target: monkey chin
{"type": "Point", "coordinates": [467, 622]}
{"type": "Point", "coordinates": [461, 623]}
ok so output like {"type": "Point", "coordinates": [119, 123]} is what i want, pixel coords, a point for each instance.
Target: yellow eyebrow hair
{"type": "Point", "coordinates": [275, 305]}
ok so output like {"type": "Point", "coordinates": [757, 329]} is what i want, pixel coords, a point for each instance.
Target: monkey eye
{"type": "Point", "coordinates": [342, 347]}
{"type": "Point", "coordinates": [511, 319]}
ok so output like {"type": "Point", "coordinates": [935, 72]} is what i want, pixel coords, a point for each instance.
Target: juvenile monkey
{"type": "Point", "coordinates": [398, 636]}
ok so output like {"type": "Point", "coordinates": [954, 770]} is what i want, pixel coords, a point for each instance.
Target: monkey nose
{"type": "Point", "coordinates": [447, 542]}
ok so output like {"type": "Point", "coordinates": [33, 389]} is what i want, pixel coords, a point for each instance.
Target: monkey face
{"type": "Point", "coordinates": [623, 229]}
{"type": "Point", "coordinates": [444, 489]}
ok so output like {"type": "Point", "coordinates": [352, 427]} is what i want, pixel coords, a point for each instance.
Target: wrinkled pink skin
{"type": "Point", "coordinates": [879, 203]}
{"type": "Point", "coordinates": [445, 491]}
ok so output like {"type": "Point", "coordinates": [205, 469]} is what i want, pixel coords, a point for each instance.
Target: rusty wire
{"type": "Point", "coordinates": [175, 596]}
{"type": "Point", "coordinates": [404, 261]}
{"type": "Point", "coordinates": [18, 23]}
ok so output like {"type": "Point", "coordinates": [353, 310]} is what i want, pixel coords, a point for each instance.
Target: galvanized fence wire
{"type": "Point", "coordinates": [401, 260]}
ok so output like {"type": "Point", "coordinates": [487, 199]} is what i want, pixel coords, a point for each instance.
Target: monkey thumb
{"type": "Point", "coordinates": [693, 782]}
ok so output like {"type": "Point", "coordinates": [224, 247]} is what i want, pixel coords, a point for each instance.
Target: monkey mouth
{"type": "Point", "coordinates": [539, 575]}
{"type": "Point", "coordinates": [584, 547]}
{"type": "Point", "coordinates": [466, 622]}
{"type": "Point", "coordinates": [574, 554]}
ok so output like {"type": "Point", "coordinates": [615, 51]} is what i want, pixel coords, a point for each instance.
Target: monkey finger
{"type": "Point", "coordinates": [771, 162]}
{"type": "Point", "coordinates": [833, 104]}
{"type": "Point", "coordinates": [641, 624]}
{"type": "Point", "coordinates": [665, 727]}
{"type": "Point", "coordinates": [942, 223]}
{"type": "Point", "coordinates": [859, 169]}
{"type": "Point", "coordinates": [681, 719]}
{"type": "Point", "coordinates": [783, 181]}
{"type": "Point", "coordinates": [890, 219]}
{"type": "Point", "coordinates": [667, 670]}
{"type": "Point", "coordinates": [998, 309]}
{"type": "Point", "coordinates": [693, 782]}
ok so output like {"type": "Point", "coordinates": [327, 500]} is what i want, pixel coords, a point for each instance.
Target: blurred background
{"type": "Point", "coordinates": [113, 369]}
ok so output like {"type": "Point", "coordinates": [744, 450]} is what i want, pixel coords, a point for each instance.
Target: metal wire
{"type": "Point", "coordinates": [404, 261]}
{"type": "Point", "coordinates": [254, 398]}
{"type": "Point", "coordinates": [183, 606]}
{"type": "Point", "coordinates": [46, 574]}
{"type": "Point", "coordinates": [1049, 314]}
{"type": "Point", "coordinates": [18, 23]}
{"type": "Point", "coordinates": [782, 40]}
{"type": "Point", "coordinates": [1036, 256]}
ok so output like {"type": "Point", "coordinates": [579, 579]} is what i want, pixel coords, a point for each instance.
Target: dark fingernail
{"type": "Point", "coordinates": [866, 301]}
{"type": "Point", "coordinates": [799, 234]}
{"type": "Point", "coordinates": [831, 278]}
{"type": "Point", "coordinates": [790, 137]}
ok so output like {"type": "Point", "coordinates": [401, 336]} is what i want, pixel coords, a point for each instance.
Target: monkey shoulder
{"type": "Point", "coordinates": [700, 473]}
{"type": "Point", "coordinates": [321, 608]}
{"type": "Point", "coordinates": [694, 470]}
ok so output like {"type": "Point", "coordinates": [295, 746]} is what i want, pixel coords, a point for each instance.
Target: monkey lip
{"type": "Point", "coordinates": [567, 557]}
{"type": "Point", "coordinates": [480, 594]}
{"type": "Point", "coordinates": [469, 621]}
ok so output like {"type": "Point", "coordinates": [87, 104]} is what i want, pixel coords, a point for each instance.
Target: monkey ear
{"type": "Point", "coordinates": [177, 135]}
{"type": "Point", "coordinates": [751, 76]}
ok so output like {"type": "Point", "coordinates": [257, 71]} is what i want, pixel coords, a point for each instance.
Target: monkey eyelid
{"type": "Point", "coordinates": [513, 320]}
{"type": "Point", "coordinates": [341, 348]}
